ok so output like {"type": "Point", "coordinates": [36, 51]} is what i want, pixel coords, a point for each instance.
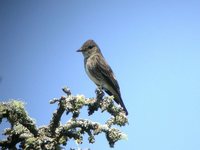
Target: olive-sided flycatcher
{"type": "Point", "coordinates": [100, 72]}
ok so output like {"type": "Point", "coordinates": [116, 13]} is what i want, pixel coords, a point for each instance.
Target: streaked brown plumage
{"type": "Point", "coordinates": [100, 72]}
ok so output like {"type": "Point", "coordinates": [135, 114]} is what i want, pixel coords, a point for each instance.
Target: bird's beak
{"type": "Point", "coordinates": [79, 50]}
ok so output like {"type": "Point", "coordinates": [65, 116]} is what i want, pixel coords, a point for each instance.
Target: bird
{"type": "Point", "coordinates": [100, 72]}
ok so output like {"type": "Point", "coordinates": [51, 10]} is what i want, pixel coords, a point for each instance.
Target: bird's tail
{"type": "Point", "coordinates": [117, 99]}
{"type": "Point", "coordinates": [123, 106]}
{"type": "Point", "coordinates": [120, 101]}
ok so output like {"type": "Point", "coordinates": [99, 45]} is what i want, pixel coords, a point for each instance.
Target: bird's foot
{"type": "Point", "coordinates": [99, 93]}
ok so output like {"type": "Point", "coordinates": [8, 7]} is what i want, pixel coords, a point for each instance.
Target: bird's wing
{"type": "Point", "coordinates": [102, 70]}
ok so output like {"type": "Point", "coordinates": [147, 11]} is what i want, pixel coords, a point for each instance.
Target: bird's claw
{"type": "Point", "coordinates": [99, 92]}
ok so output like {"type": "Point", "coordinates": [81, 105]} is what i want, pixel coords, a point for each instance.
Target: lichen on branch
{"type": "Point", "coordinates": [24, 133]}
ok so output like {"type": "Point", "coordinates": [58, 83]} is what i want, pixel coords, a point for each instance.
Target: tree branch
{"type": "Point", "coordinates": [23, 130]}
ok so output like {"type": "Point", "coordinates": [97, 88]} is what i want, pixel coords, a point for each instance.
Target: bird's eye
{"type": "Point", "coordinates": [90, 47]}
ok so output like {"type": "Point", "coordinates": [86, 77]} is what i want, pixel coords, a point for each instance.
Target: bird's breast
{"type": "Point", "coordinates": [93, 76]}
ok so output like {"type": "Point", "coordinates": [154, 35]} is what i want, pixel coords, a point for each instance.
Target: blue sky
{"type": "Point", "coordinates": [152, 46]}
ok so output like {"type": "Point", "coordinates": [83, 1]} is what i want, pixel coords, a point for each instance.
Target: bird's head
{"type": "Point", "coordinates": [89, 48]}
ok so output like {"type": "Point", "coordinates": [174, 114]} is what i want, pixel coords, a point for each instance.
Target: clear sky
{"type": "Point", "coordinates": [152, 46]}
